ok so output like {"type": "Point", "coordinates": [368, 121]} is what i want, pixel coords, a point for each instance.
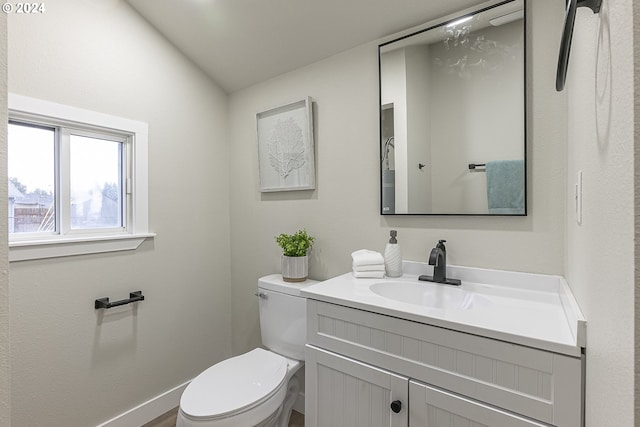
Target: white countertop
{"type": "Point", "coordinates": [530, 309]}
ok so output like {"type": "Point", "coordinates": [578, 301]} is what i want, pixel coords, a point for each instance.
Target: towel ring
{"type": "Point", "coordinates": [567, 35]}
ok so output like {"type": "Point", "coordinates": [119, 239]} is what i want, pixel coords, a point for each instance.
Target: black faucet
{"type": "Point", "coordinates": [438, 258]}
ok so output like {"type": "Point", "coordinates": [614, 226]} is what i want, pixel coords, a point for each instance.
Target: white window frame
{"type": "Point", "coordinates": [136, 215]}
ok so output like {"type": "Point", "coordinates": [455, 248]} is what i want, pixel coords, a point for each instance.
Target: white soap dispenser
{"type": "Point", "coordinates": [392, 257]}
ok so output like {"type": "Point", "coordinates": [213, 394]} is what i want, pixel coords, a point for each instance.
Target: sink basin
{"type": "Point", "coordinates": [430, 295]}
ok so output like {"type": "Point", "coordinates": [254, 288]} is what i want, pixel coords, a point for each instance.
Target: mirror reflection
{"type": "Point", "coordinates": [452, 117]}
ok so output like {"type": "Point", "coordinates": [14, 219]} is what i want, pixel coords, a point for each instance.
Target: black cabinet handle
{"type": "Point", "coordinates": [396, 406]}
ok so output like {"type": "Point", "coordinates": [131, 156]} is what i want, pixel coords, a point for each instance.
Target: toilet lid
{"type": "Point", "coordinates": [234, 385]}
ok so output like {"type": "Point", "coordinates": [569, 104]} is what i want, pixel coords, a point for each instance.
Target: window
{"type": "Point", "coordinates": [31, 178]}
{"type": "Point", "coordinates": [93, 164]}
{"type": "Point", "coordinates": [96, 174]}
{"type": "Point", "coordinates": [77, 181]}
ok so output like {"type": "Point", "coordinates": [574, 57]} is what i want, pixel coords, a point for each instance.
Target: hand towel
{"type": "Point", "coordinates": [370, 267]}
{"type": "Point", "coordinates": [505, 187]}
{"type": "Point", "coordinates": [368, 274]}
{"type": "Point", "coordinates": [366, 257]}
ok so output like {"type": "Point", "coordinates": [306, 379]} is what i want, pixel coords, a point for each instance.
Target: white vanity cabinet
{"type": "Point", "coordinates": [359, 362]}
{"type": "Point", "coordinates": [345, 392]}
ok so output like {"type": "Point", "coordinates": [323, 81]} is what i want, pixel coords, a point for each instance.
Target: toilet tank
{"type": "Point", "coordinates": [283, 315]}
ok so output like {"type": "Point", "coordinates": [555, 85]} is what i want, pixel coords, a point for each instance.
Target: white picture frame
{"type": "Point", "coordinates": [286, 159]}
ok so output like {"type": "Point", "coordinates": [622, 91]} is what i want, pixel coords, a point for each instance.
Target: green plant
{"type": "Point", "coordinates": [295, 244]}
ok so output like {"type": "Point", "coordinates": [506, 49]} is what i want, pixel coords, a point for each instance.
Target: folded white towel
{"type": "Point", "coordinates": [369, 267]}
{"type": "Point", "coordinates": [366, 257]}
{"type": "Point", "coordinates": [368, 274]}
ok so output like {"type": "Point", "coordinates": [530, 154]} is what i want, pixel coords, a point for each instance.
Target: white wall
{"type": "Point", "coordinates": [600, 252]}
{"type": "Point", "coordinates": [636, 57]}
{"type": "Point", "coordinates": [5, 348]}
{"type": "Point", "coordinates": [343, 212]}
{"type": "Point", "coordinates": [72, 366]}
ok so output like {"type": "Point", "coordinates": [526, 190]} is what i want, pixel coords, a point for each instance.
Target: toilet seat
{"type": "Point", "coordinates": [235, 386]}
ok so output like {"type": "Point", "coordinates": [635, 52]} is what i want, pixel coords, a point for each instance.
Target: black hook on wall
{"type": "Point", "coordinates": [567, 34]}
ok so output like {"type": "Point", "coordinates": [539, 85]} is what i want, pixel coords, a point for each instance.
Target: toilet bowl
{"type": "Point", "coordinates": [246, 390]}
{"type": "Point", "coordinates": [260, 387]}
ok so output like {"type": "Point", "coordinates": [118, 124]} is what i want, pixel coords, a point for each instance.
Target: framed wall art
{"type": "Point", "coordinates": [285, 147]}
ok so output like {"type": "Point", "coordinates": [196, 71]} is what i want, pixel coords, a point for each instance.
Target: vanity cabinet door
{"type": "Point", "coordinates": [432, 407]}
{"type": "Point", "coordinates": [342, 392]}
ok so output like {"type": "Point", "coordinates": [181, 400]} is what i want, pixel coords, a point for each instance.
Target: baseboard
{"type": "Point", "coordinates": [148, 410]}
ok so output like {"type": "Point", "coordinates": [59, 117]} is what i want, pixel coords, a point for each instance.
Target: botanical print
{"type": "Point", "coordinates": [286, 147]}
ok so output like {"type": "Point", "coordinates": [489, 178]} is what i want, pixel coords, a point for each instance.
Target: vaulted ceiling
{"type": "Point", "coordinates": [242, 42]}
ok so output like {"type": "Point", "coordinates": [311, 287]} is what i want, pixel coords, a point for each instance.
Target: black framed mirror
{"type": "Point", "coordinates": [453, 116]}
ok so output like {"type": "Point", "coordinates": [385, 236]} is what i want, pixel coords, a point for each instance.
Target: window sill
{"type": "Point", "coordinates": [23, 250]}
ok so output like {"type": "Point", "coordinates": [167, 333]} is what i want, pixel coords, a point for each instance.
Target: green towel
{"type": "Point", "coordinates": [505, 187]}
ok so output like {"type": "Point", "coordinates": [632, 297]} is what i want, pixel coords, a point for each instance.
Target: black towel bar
{"type": "Point", "coordinates": [133, 297]}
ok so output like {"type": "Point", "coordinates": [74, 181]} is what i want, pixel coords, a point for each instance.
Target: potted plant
{"type": "Point", "coordinates": [295, 261]}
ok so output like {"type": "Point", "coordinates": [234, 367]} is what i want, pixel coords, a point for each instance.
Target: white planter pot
{"type": "Point", "coordinates": [295, 268]}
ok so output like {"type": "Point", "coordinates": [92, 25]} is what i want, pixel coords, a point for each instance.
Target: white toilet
{"type": "Point", "coordinates": [258, 388]}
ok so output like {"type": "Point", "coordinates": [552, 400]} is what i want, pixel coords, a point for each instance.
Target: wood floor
{"type": "Point", "coordinates": [169, 420]}
{"type": "Point", "coordinates": [165, 420]}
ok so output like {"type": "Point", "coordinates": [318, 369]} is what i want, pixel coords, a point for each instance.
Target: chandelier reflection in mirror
{"type": "Point", "coordinates": [468, 51]}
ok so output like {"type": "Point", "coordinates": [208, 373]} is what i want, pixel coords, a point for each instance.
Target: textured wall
{"type": "Point", "coordinates": [600, 252]}
{"type": "Point", "coordinates": [636, 80]}
{"type": "Point", "coordinates": [5, 347]}
{"type": "Point", "coordinates": [343, 212]}
{"type": "Point", "coordinates": [72, 366]}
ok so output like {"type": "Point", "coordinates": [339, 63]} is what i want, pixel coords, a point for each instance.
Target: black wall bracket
{"type": "Point", "coordinates": [567, 35]}
{"type": "Point", "coordinates": [133, 297]}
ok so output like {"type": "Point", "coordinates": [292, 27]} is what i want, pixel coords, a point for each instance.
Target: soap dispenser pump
{"type": "Point", "coordinates": [392, 256]}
